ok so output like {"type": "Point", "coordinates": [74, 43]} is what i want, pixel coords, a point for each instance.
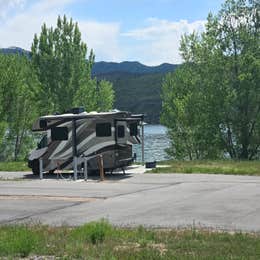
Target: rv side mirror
{"type": "Point", "coordinates": [59, 133]}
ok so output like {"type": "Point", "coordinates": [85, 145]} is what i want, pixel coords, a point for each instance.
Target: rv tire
{"type": "Point", "coordinates": [36, 167]}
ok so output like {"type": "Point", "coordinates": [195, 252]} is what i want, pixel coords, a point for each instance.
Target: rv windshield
{"type": "Point", "coordinates": [44, 142]}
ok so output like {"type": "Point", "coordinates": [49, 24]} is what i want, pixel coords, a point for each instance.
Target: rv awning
{"type": "Point", "coordinates": [46, 122]}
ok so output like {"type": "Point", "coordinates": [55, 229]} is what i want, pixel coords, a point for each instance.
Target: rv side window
{"type": "Point", "coordinates": [103, 129]}
{"type": "Point", "coordinates": [133, 129]}
{"type": "Point", "coordinates": [120, 131]}
{"type": "Point", "coordinates": [59, 133]}
{"type": "Point", "coordinates": [43, 123]}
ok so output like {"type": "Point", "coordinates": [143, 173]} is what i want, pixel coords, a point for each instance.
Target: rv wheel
{"type": "Point", "coordinates": [35, 167]}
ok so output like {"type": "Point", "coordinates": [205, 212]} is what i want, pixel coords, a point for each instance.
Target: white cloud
{"type": "Point", "coordinates": [103, 39]}
{"type": "Point", "coordinates": [7, 5]}
{"type": "Point", "coordinates": [158, 42]}
{"type": "Point", "coordinates": [18, 30]}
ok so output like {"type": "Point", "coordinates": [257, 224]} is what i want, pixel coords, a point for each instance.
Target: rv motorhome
{"type": "Point", "coordinates": [77, 133]}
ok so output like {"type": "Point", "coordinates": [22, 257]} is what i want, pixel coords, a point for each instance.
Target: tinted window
{"type": "Point", "coordinates": [59, 133]}
{"type": "Point", "coordinates": [120, 131]}
{"type": "Point", "coordinates": [103, 129]}
{"type": "Point", "coordinates": [43, 123]}
{"type": "Point", "coordinates": [133, 129]}
{"type": "Point", "coordinates": [43, 143]}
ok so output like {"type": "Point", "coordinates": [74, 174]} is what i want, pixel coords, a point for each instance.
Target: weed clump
{"type": "Point", "coordinates": [94, 232]}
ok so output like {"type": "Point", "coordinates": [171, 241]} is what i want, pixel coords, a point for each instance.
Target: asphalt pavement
{"type": "Point", "coordinates": [153, 200]}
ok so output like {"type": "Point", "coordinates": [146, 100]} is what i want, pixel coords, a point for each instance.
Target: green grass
{"type": "Point", "coordinates": [215, 167]}
{"type": "Point", "coordinates": [14, 166]}
{"type": "Point", "coordinates": [100, 240]}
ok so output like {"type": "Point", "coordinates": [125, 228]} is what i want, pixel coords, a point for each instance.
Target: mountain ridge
{"type": "Point", "coordinates": [105, 67]}
{"type": "Point", "coordinates": [15, 50]}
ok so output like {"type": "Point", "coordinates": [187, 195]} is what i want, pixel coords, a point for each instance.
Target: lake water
{"type": "Point", "coordinates": [155, 142]}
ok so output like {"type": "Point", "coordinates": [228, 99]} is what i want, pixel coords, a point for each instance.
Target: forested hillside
{"type": "Point", "coordinates": [137, 87]}
{"type": "Point", "coordinates": [138, 93]}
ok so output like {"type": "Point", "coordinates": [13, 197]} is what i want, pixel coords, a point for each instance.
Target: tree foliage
{"type": "Point", "coordinates": [211, 104]}
{"type": "Point", "coordinates": [19, 86]}
{"type": "Point", "coordinates": [59, 57]}
{"type": "Point", "coordinates": [98, 97]}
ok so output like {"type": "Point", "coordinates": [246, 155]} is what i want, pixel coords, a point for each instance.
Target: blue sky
{"type": "Point", "coordinates": [133, 13]}
{"type": "Point", "coordinates": [144, 30]}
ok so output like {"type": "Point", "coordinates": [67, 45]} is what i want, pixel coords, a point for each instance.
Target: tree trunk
{"type": "Point", "coordinates": [16, 147]}
{"type": "Point", "coordinates": [245, 145]}
{"type": "Point", "coordinates": [244, 153]}
{"type": "Point", "coordinates": [230, 146]}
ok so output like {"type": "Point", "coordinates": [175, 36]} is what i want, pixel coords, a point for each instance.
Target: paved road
{"type": "Point", "coordinates": [166, 200]}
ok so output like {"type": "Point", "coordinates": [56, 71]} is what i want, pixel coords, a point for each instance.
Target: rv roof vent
{"type": "Point", "coordinates": [75, 110]}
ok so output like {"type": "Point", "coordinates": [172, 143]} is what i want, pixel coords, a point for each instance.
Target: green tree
{"type": "Point", "coordinates": [105, 95]}
{"type": "Point", "coordinates": [96, 96]}
{"type": "Point", "coordinates": [19, 86]}
{"type": "Point", "coordinates": [59, 56]}
{"type": "Point", "coordinates": [212, 103]}
{"type": "Point", "coordinates": [187, 113]}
